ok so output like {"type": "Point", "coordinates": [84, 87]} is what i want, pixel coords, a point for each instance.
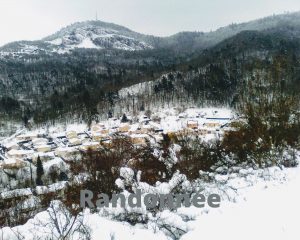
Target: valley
{"type": "Point", "coordinates": [100, 107]}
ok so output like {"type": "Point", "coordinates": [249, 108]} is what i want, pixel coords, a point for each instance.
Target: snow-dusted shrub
{"type": "Point", "coordinates": [58, 222]}
{"type": "Point", "coordinates": [195, 156]}
{"type": "Point", "coordinates": [102, 168]}
{"type": "Point", "coordinates": [150, 167]}
{"type": "Point", "coordinates": [271, 121]}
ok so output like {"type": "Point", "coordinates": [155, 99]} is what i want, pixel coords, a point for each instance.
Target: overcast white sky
{"type": "Point", "coordinates": [35, 19]}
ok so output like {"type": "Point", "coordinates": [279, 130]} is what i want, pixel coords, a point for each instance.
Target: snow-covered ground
{"type": "Point", "coordinates": [267, 210]}
{"type": "Point", "coordinates": [256, 204]}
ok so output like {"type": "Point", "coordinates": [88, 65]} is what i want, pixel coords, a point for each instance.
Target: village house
{"type": "Point", "coordinates": [71, 134]}
{"type": "Point", "coordinates": [135, 128]}
{"type": "Point", "coordinates": [211, 130]}
{"type": "Point", "coordinates": [74, 141]}
{"type": "Point", "coordinates": [43, 156]}
{"type": "Point", "coordinates": [12, 145]}
{"type": "Point", "coordinates": [104, 131]}
{"type": "Point", "coordinates": [212, 124]}
{"type": "Point", "coordinates": [124, 128]}
{"type": "Point", "coordinates": [20, 154]}
{"type": "Point", "coordinates": [97, 127]}
{"type": "Point", "coordinates": [67, 153]}
{"type": "Point", "coordinates": [219, 115]}
{"type": "Point", "coordinates": [146, 129]}
{"type": "Point", "coordinates": [43, 148]}
{"type": "Point", "coordinates": [11, 163]}
{"type": "Point", "coordinates": [140, 129]}
{"type": "Point", "coordinates": [97, 137]}
{"type": "Point", "coordinates": [138, 139]}
{"type": "Point", "coordinates": [90, 145]}
{"type": "Point", "coordinates": [27, 137]}
{"type": "Point", "coordinates": [40, 141]}
{"type": "Point", "coordinates": [192, 124]}
{"type": "Point", "coordinates": [186, 131]}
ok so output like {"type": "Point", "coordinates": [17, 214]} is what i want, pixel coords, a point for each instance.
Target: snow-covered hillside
{"type": "Point", "coordinates": [90, 35]}
{"type": "Point", "coordinates": [94, 35]}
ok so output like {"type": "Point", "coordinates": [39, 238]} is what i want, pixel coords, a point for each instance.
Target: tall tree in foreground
{"type": "Point", "coordinates": [39, 172]}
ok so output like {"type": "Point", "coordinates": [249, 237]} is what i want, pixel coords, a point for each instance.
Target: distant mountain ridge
{"type": "Point", "coordinates": [102, 35]}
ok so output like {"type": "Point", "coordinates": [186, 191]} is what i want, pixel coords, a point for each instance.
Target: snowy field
{"type": "Point", "coordinates": [256, 204]}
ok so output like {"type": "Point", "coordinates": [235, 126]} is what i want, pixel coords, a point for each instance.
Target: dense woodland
{"type": "Point", "coordinates": [85, 83]}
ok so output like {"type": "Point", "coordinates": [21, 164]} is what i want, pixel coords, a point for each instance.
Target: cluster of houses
{"type": "Point", "coordinates": [25, 148]}
{"type": "Point", "coordinates": [56, 147]}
